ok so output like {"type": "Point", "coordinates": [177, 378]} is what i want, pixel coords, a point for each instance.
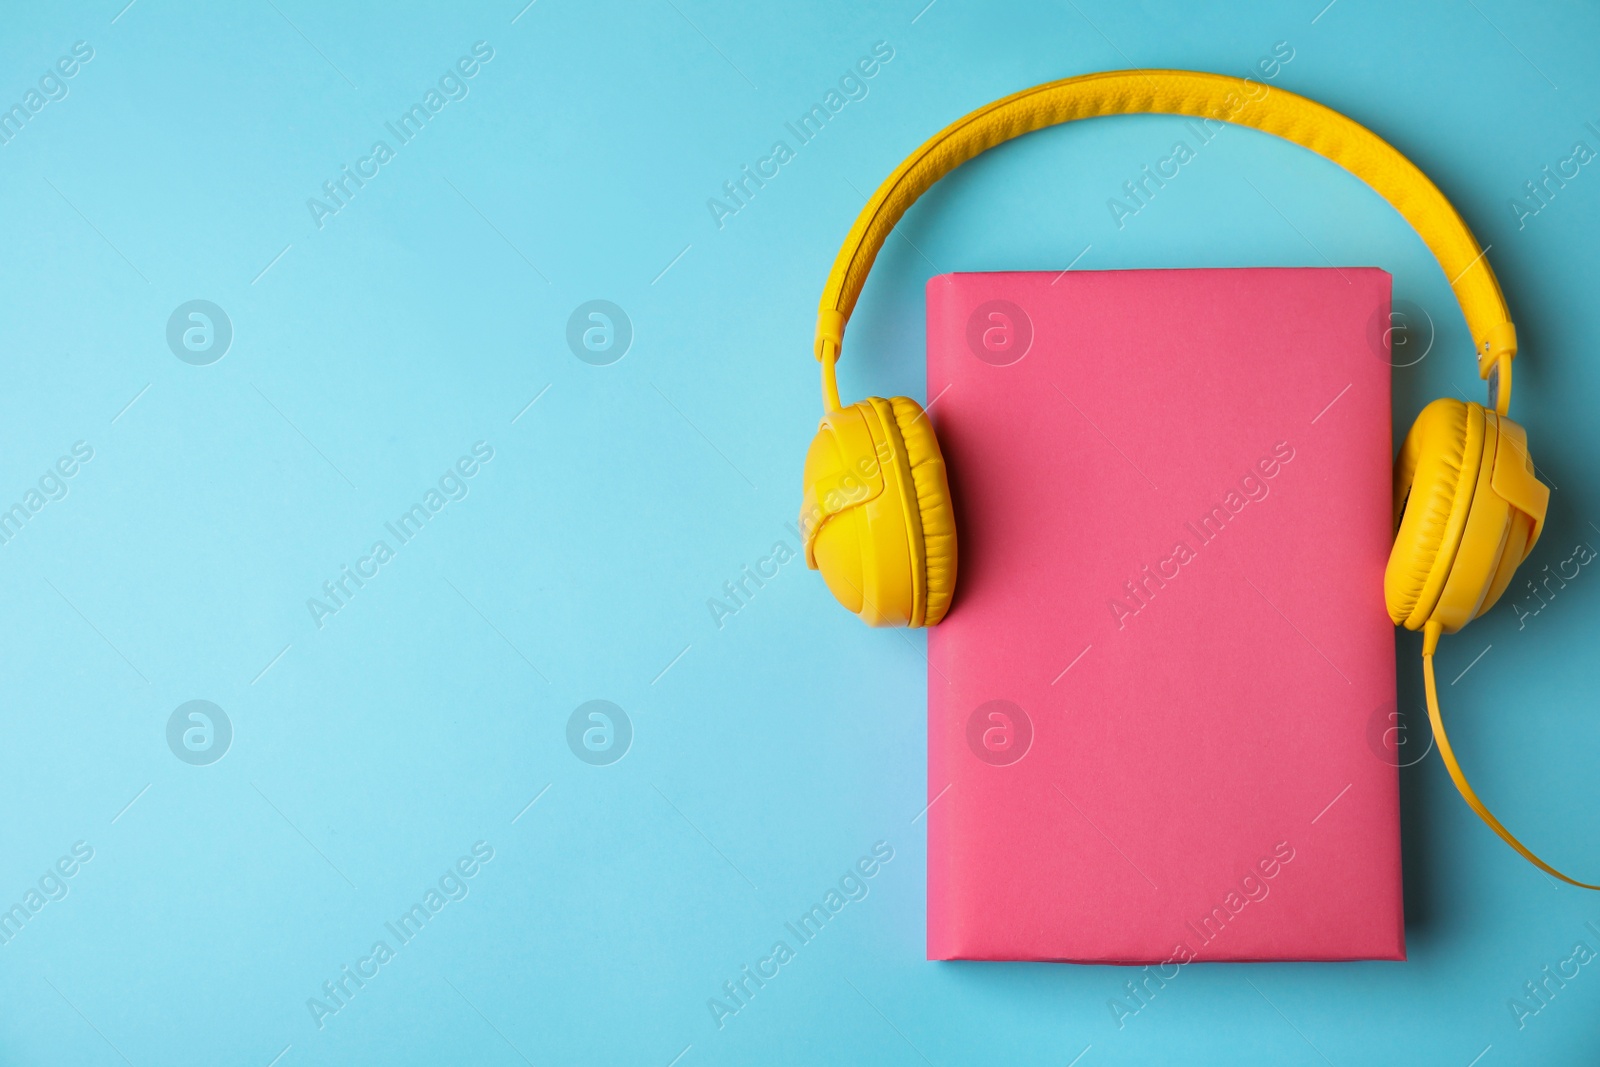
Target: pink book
{"type": "Point", "coordinates": [1160, 711]}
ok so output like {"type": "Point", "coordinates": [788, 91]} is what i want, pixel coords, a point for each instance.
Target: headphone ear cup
{"type": "Point", "coordinates": [829, 521]}
{"type": "Point", "coordinates": [859, 514]}
{"type": "Point", "coordinates": [933, 503]}
{"type": "Point", "coordinates": [1519, 541]}
{"type": "Point", "coordinates": [1435, 476]}
{"type": "Point", "coordinates": [877, 520]}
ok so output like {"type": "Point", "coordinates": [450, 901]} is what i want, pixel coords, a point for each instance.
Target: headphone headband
{"type": "Point", "coordinates": [1197, 95]}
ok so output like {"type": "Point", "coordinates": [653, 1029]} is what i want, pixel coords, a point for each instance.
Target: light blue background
{"type": "Point", "coordinates": [770, 753]}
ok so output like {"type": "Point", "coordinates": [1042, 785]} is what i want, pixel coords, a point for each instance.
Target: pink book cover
{"type": "Point", "coordinates": [1160, 711]}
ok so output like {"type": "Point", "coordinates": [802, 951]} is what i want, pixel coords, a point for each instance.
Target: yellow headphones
{"type": "Point", "coordinates": [876, 517]}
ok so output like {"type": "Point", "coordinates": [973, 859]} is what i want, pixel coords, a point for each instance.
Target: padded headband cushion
{"type": "Point", "coordinates": [933, 503]}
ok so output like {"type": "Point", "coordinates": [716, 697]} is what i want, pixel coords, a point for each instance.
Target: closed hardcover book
{"type": "Point", "coordinates": [1161, 711]}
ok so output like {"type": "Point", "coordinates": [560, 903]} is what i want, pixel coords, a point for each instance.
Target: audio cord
{"type": "Point", "coordinates": [1430, 642]}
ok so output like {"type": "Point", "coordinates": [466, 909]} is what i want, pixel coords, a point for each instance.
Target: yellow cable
{"type": "Point", "coordinates": [1430, 640]}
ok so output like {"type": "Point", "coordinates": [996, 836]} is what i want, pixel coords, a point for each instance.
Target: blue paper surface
{"type": "Point", "coordinates": [550, 348]}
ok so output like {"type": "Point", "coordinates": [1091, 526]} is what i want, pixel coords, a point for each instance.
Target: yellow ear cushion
{"type": "Point", "coordinates": [1435, 475]}
{"type": "Point", "coordinates": [933, 503]}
